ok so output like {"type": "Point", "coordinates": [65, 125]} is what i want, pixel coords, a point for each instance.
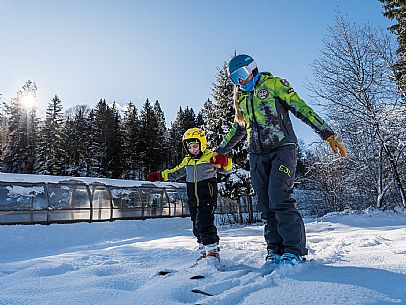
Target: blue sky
{"type": "Point", "coordinates": [162, 50]}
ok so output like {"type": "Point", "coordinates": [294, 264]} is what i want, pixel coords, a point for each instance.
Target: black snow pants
{"type": "Point", "coordinates": [272, 176]}
{"type": "Point", "coordinates": [202, 200]}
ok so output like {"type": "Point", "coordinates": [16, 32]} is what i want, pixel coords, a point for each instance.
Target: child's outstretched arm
{"type": "Point", "coordinates": [176, 172]}
{"type": "Point", "coordinates": [169, 174]}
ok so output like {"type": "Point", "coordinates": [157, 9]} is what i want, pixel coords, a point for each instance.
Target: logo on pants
{"type": "Point", "coordinates": [285, 170]}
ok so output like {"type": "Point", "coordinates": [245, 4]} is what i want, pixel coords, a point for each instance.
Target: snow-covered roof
{"type": "Point", "coordinates": [31, 178]}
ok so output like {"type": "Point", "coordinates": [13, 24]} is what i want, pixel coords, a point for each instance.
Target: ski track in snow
{"type": "Point", "coordinates": [355, 259]}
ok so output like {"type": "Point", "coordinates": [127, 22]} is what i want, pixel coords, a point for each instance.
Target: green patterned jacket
{"type": "Point", "coordinates": [266, 115]}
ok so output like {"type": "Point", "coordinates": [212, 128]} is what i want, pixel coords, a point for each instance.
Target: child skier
{"type": "Point", "coordinates": [200, 171]}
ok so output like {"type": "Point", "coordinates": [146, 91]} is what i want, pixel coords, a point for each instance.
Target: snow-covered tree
{"type": "Point", "coordinates": [3, 132]}
{"type": "Point", "coordinates": [19, 152]}
{"type": "Point", "coordinates": [131, 143]}
{"type": "Point", "coordinates": [162, 135]}
{"type": "Point", "coordinates": [115, 143]}
{"type": "Point", "coordinates": [106, 141]}
{"type": "Point", "coordinates": [396, 10]}
{"type": "Point", "coordinates": [50, 153]}
{"type": "Point", "coordinates": [185, 119]}
{"type": "Point", "coordinates": [218, 118]}
{"type": "Point", "coordinates": [150, 140]}
{"type": "Point", "coordinates": [76, 142]}
{"type": "Point", "coordinates": [355, 78]}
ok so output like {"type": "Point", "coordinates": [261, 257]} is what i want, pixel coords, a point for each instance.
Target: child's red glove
{"type": "Point", "coordinates": [221, 160]}
{"type": "Point", "coordinates": [154, 176]}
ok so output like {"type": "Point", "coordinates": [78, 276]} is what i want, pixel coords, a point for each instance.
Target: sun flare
{"type": "Point", "coordinates": [28, 101]}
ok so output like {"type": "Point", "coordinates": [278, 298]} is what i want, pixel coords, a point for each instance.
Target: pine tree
{"type": "Point", "coordinates": [218, 119]}
{"type": "Point", "coordinates": [96, 153]}
{"type": "Point", "coordinates": [50, 153]}
{"type": "Point", "coordinates": [189, 119]}
{"type": "Point", "coordinates": [131, 143]}
{"type": "Point", "coordinates": [210, 118]}
{"type": "Point", "coordinates": [223, 116]}
{"type": "Point", "coordinates": [19, 152]}
{"type": "Point", "coordinates": [185, 119]}
{"type": "Point", "coordinates": [106, 141]}
{"type": "Point", "coordinates": [150, 148]}
{"type": "Point", "coordinates": [175, 141]}
{"type": "Point", "coordinates": [77, 141]}
{"type": "Point", "coordinates": [115, 144]}
{"type": "Point", "coordinates": [162, 147]}
{"type": "Point", "coordinates": [98, 139]}
{"type": "Point", "coordinates": [199, 119]}
{"type": "Point", "coordinates": [3, 134]}
{"type": "Point", "coordinates": [396, 10]}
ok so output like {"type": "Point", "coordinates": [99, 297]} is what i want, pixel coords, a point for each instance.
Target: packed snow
{"type": "Point", "coordinates": [353, 259]}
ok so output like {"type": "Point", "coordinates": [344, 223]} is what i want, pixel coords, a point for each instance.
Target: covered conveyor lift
{"type": "Point", "coordinates": [42, 199]}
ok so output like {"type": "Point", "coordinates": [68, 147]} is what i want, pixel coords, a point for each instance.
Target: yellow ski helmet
{"type": "Point", "coordinates": [195, 134]}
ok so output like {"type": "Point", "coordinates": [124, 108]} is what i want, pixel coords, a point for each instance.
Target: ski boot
{"type": "Point", "coordinates": [292, 259]}
{"type": "Point", "coordinates": [272, 258]}
{"type": "Point", "coordinates": [213, 251]}
{"type": "Point", "coordinates": [202, 252]}
{"type": "Point", "coordinates": [213, 256]}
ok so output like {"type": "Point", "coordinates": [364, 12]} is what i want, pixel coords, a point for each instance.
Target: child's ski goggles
{"type": "Point", "coordinates": [240, 75]}
{"type": "Point", "coordinates": [191, 141]}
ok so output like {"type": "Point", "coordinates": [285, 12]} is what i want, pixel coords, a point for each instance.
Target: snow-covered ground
{"type": "Point", "coordinates": [354, 259]}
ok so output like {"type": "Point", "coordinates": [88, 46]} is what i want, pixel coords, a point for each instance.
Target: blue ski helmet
{"type": "Point", "coordinates": [240, 68]}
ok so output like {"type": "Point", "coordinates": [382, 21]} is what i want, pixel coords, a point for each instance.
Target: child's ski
{"type": "Point", "coordinates": [201, 292]}
{"type": "Point", "coordinates": [197, 277]}
{"type": "Point", "coordinates": [252, 274]}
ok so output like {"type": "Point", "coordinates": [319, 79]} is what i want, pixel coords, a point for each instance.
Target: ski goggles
{"type": "Point", "coordinates": [240, 75]}
{"type": "Point", "coordinates": [191, 141]}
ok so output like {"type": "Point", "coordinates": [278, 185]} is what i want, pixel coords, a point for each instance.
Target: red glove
{"type": "Point", "coordinates": [221, 160]}
{"type": "Point", "coordinates": [154, 176]}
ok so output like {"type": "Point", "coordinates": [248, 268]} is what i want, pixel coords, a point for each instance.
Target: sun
{"type": "Point", "coordinates": [28, 101]}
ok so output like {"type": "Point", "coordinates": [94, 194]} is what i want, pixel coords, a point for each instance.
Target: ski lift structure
{"type": "Point", "coordinates": [41, 199]}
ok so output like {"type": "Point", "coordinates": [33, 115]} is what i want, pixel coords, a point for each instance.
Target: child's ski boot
{"type": "Point", "coordinates": [202, 252]}
{"type": "Point", "coordinates": [213, 250]}
{"type": "Point", "coordinates": [213, 255]}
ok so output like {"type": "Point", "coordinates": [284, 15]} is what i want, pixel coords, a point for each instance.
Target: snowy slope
{"type": "Point", "coordinates": [357, 259]}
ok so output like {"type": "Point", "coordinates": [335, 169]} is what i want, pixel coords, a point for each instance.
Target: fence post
{"type": "Point", "coordinates": [111, 201]}
{"type": "Point", "coordinates": [250, 210]}
{"type": "Point", "coordinates": [47, 199]}
{"type": "Point", "coordinates": [239, 211]}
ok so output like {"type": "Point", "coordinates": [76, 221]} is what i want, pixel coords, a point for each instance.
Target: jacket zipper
{"type": "Point", "coordinates": [210, 189]}
{"type": "Point", "coordinates": [255, 119]}
{"type": "Point", "coordinates": [283, 124]}
{"type": "Point", "coordinates": [195, 180]}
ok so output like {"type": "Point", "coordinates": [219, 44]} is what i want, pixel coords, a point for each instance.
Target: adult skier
{"type": "Point", "coordinates": [261, 103]}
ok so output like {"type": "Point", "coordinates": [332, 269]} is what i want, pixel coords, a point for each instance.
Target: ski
{"type": "Point", "coordinates": [201, 292]}
{"type": "Point", "coordinates": [197, 277]}
{"type": "Point", "coordinates": [193, 277]}
{"type": "Point", "coordinates": [163, 272]}
{"type": "Point", "coordinates": [265, 270]}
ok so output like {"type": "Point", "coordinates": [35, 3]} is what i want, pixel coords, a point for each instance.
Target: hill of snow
{"type": "Point", "coordinates": [353, 259]}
